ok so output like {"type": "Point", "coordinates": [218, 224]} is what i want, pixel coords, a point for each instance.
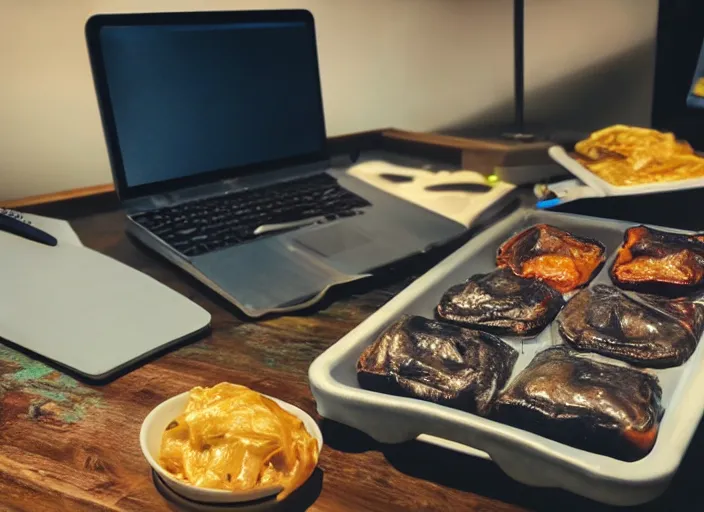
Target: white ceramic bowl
{"type": "Point", "coordinates": [150, 440]}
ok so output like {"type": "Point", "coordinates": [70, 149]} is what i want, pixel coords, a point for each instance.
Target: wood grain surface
{"type": "Point", "coordinates": [64, 195]}
{"type": "Point", "coordinates": [70, 446]}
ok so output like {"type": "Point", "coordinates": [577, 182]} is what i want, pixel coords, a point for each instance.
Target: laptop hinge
{"type": "Point", "coordinates": [218, 188]}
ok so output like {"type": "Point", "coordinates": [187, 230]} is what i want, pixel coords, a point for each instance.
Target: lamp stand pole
{"type": "Point", "coordinates": [518, 74]}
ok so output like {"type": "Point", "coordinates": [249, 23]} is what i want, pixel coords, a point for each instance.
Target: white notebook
{"type": "Point", "coordinates": [86, 311]}
{"type": "Point", "coordinates": [462, 205]}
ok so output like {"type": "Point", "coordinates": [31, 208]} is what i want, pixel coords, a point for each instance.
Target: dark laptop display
{"type": "Point", "coordinates": [196, 98]}
{"type": "Point", "coordinates": [190, 101]}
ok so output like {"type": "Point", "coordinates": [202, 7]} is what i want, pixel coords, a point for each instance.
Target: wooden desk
{"type": "Point", "coordinates": [69, 446]}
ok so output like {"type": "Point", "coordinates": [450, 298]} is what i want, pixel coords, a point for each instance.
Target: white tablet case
{"type": "Point", "coordinates": [86, 311]}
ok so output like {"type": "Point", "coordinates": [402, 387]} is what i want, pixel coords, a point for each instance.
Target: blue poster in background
{"type": "Point", "coordinates": [695, 98]}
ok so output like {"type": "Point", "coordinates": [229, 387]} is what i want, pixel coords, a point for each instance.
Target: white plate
{"type": "Point", "coordinates": [604, 188]}
{"type": "Point", "coordinates": [150, 440]}
{"type": "Point", "coordinates": [524, 456]}
{"type": "Point", "coordinates": [182, 504]}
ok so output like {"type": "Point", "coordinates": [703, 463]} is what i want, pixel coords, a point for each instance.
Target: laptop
{"type": "Point", "coordinates": [216, 136]}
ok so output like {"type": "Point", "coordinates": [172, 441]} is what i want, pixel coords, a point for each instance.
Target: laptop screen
{"type": "Point", "coordinates": [193, 99]}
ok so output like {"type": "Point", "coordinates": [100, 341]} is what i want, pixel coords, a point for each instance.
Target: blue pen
{"type": "Point", "coordinates": [548, 203]}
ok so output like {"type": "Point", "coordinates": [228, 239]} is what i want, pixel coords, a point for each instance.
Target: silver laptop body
{"type": "Point", "coordinates": [289, 266]}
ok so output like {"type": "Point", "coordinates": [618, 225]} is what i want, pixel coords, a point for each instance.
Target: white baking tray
{"type": "Point", "coordinates": [524, 456]}
{"type": "Point", "coordinates": [604, 188]}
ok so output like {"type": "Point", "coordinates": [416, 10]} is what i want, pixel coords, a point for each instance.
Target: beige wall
{"type": "Point", "coordinates": [589, 63]}
{"type": "Point", "coordinates": [415, 64]}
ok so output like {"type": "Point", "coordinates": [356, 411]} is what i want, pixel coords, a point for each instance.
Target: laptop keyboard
{"type": "Point", "coordinates": [205, 225]}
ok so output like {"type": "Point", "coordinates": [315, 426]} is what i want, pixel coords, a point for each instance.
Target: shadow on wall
{"type": "Point", "coordinates": [618, 90]}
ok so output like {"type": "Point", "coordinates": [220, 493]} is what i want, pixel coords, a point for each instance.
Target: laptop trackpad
{"type": "Point", "coordinates": [332, 240]}
{"type": "Point", "coordinates": [269, 275]}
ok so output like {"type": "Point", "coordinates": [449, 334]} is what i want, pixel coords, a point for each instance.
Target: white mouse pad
{"type": "Point", "coordinates": [86, 311]}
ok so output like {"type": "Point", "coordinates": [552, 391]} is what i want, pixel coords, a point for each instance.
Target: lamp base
{"type": "Point", "coordinates": [519, 137]}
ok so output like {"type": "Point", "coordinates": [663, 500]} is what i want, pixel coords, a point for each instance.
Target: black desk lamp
{"type": "Point", "coordinates": [518, 132]}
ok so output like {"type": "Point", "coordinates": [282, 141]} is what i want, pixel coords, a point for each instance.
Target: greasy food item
{"type": "Point", "coordinates": [653, 261]}
{"type": "Point", "coordinates": [437, 362]}
{"type": "Point", "coordinates": [652, 332]}
{"type": "Point", "coordinates": [561, 259]}
{"type": "Point", "coordinates": [698, 89]}
{"type": "Point", "coordinates": [602, 408]}
{"type": "Point", "coordinates": [230, 437]}
{"type": "Point", "coordinates": [689, 311]}
{"type": "Point", "coordinates": [625, 155]}
{"type": "Point", "coordinates": [502, 303]}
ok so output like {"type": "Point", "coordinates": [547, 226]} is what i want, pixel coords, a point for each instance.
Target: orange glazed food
{"type": "Point", "coordinates": [560, 259]}
{"type": "Point", "coordinates": [230, 437]}
{"type": "Point", "coordinates": [654, 261]}
{"type": "Point", "coordinates": [626, 156]}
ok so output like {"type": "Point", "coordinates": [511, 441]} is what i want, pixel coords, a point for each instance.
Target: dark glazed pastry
{"type": "Point", "coordinates": [658, 333]}
{"type": "Point", "coordinates": [561, 259]}
{"type": "Point", "coordinates": [437, 362]}
{"type": "Point", "coordinates": [501, 303]}
{"type": "Point", "coordinates": [653, 261]}
{"type": "Point", "coordinates": [689, 311]}
{"type": "Point", "coordinates": [598, 407]}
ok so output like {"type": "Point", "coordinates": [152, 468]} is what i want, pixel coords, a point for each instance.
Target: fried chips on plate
{"type": "Point", "coordinates": [626, 160]}
{"type": "Point", "coordinates": [626, 156]}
